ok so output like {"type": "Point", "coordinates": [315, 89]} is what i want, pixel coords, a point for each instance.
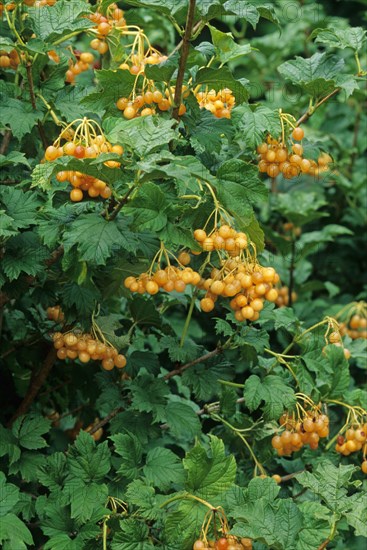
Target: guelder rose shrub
{"type": "Point", "coordinates": [182, 279]}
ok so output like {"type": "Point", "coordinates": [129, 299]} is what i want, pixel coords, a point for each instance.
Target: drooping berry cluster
{"type": "Point", "coordinates": [300, 431]}
{"type": "Point", "coordinates": [171, 278]}
{"type": "Point", "coordinates": [83, 63]}
{"type": "Point", "coordinates": [55, 313]}
{"type": "Point", "coordinates": [136, 63]}
{"type": "Point", "coordinates": [355, 440]}
{"type": "Point", "coordinates": [9, 60]}
{"type": "Point", "coordinates": [334, 338]}
{"type": "Point", "coordinates": [224, 238]}
{"type": "Point", "coordinates": [356, 325]}
{"type": "Point", "coordinates": [218, 103]}
{"type": "Point", "coordinates": [114, 19]}
{"type": "Point", "coordinates": [248, 285]}
{"type": "Point", "coordinates": [86, 143]}
{"type": "Point", "coordinates": [283, 296]}
{"type": "Point", "coordinates": [86, 347]}
{"type": "Point", "coordinates": [224, 543]}
{"type": "Point", "coordinates": [275, 158]}
{"type": "Point", "coordinates": [145, 104]}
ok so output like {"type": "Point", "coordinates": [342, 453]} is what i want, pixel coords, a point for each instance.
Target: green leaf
{"type": "Point", "coordinates": [316, 527]}
{"type": "Point", "coordinates": [209, 473]}
{"type": "Point", "coordinates": [182, 420]}
{"type": "Point", "coordinates": [352, 37]}
{"type": "Point", "coordinates": [139, 494]}
{"type": "Point", "coordinates": [14, 532]}
{"type": "Point", "coordinates": [112, 84]}
{"type": "Point", "coordinates": [153, 401]}
{"type": "Point", "coordinates": [13, 158]}
{"type": "Point", "coordinates": [20, 206]}
{"type": "Point", "coordinates": [223, 78]}
{"type": "Point", "coordinates": [9, 495]}
{"type": "Point", "coordinates": [144, 312]}
{"type": "Point", "coordinates": [18, 115]}
{"type": "Point", "coordinates": [129, 448]}
{"type": "Point", "coordinates": [252, 11]}
{"type": "Point", "coordinates": [148, 208]}
{"type": "Point", "coordinates": [143, 134]}
{"type": "Point", "coordinates": [239, 187]}
{"type": "Point", "coordinates": [6, 225]}
{"type": "Point", "coordinates": [24, 254]}
{"type": "Point", "coordinates": [53, 472]}
{"type": "Point", "coordinates": [272, 390]}
{"type": "Point", "coordinates": [317, 74]}
{"type": "Point", "coordinates": [227, 48]}
{"type": "Point", "coordinates": [357, 514]}
{"type": "Point", "coordinates": [132, 535]}
{"type": "Point", "coordinates": [82, 298]}
{"type": "Point", "coordinates": [329, 483]}
{"type": "Point", "coordinates": [163, 468]}
{"type": "Point", "coordinates": [300, 207]}
{"type": "Point", "coordinates": [162, 72]}
{"type": "Point", "coordinates": [97, 239]}
{"type": "Point", "coordinates": [87, 461]}
{"type": "Point", "coordinates": [62, 18]}
{"type": "Point", "coordinates": [255, 123]}
{"type": "Point", "coordinates": [29, 429]}
{"type": "Point", "coordinates": [86, 500]}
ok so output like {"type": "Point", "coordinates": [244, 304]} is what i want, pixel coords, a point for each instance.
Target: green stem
{"type": "Point", "coordinates": [244, 440]}
{"type": "Point", "coordinates": [187, 496]}
{"type": "Point", "coordinates": [188, 317]}
{"type": "Point", "coordinates": [233, 384]}
{"type": "Point", "coordinates": [66, 37]}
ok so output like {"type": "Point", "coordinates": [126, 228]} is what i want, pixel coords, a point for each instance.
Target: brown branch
{"type": "Point", "coordinates": [175, 372]}
{"type": "Point", "coordinates": [41, 129]}
{"type": "Point", "coordinates": [5, 142]}
{"type": "Point", "coordinates": [56, 254]}
{"type": "Point", "coordinates": [324, 544]}
{"type": "Point", "coordinates": [120, 204]}
{"type": "Point", "coordinates": [35, 385]}
{"type": "Point", "coordinates": [309, 113]}
{"type": "Point", "coordinates": [183, 58]}
{"type": "Point", "coordinates": [201, 359]}
{"type": "Point", "coordinates": [105, 420]}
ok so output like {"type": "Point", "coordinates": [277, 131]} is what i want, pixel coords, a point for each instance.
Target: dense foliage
{"type": "Point", "coordinates": [182, 275]}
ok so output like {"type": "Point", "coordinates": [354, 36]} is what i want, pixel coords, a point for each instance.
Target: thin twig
{"type": "Point", "coordinates": [5, 142]}
{"type": "Point", "coordinates": [183, 58]}
{"type": "Point", "coordinates": [105, 420]}
{"type": "Point", "coordinates": [309, 113]}
{"type": "Point", "coordinates": [120, 204]}
{"type": "Point", "coordinates": [201, 359]}
{"type": "Point", "coordinates": [41, 129]}
{"type": "Point", "coordinates": [35, 385]}
{"type": "Point", "coordinates": [324, 544]}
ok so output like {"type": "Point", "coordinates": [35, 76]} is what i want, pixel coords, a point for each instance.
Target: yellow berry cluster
{"type": "Point", "coordinates": [29, 3]}
{"type": "Point", "coordinates": [224, 238]}
{"type": "Point", "coordinates": [55, 313]}
{"type": "Point", "coordinates": [335, 339]}
{"type": "Point", "coordinates": [356, 327]}
{"type": "Point", "coordinates": [145, 104]}
{"type": "Point", "coordinates": [171, 278]}
{"type": "Point", "coordinates": [85, 347]}
{"type": "Point", "coordinates": [355, 439]}
{"type": "Point", "coordinates": [300, 431]}
{"type": "Point", "coordinates": [230, 542]}
{"type": "Point", "coordinates": [218, 103]}
{"type": "Point", "coordinates": [249, 285]}
{"type": "Point", "coordinates": [86, 144]}
{"type": "Point", "coordinates": [276, 158]}
{"type": "Point", "coordinates": [136, 63]}
{"type": "Point", "coordinates": [104, 25]}
{"type": "Point", "coordinates": [9, 60]}
{"type": "Point", "coordinates": [283, 296]}
{"type": "Point", "coordinates": [83, 63]}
